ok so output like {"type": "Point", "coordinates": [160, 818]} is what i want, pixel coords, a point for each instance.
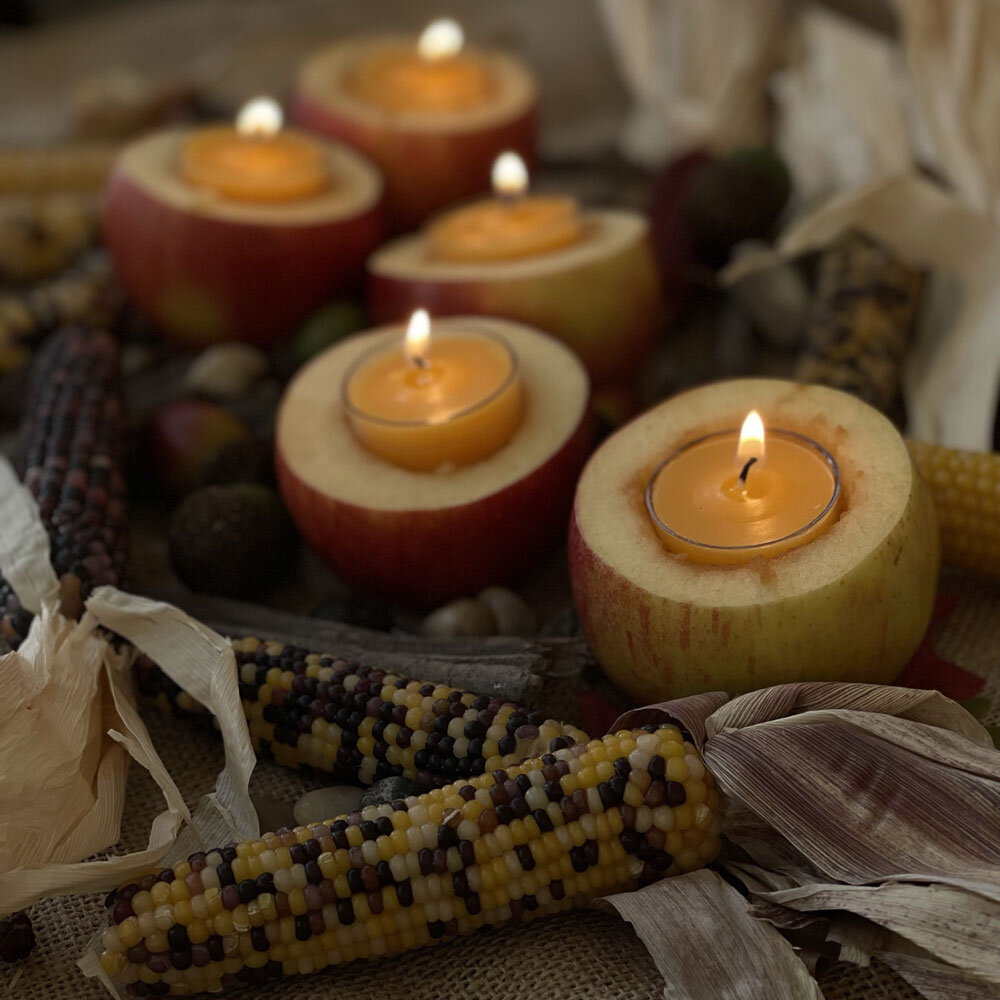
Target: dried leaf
{"type": "Point", "coordinates": [682, 920]}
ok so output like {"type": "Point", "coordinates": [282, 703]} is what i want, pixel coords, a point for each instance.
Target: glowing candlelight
{"type": "Point", "coordinates": [441, 39]}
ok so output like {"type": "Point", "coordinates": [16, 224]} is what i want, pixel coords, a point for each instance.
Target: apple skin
{"type": "Point", "coordinates": [862, 627]}
{"type": "Point", "coordinates": [606, 309]}
{"type": "Point", "coordinates": [424, 557]}
{"type": "Point", "coordinates": [424, 170]}
{"type": "Point", "coordinates": [202, 280]}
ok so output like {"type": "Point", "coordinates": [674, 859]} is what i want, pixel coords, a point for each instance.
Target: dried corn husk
{"type": "Point", "coordinates": [861, 820]}
{"type": "Point", "coordinates": [68, 726]}
{"type": "Point", "coordinates": [697, 73]}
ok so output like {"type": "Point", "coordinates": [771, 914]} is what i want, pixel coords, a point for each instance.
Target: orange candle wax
{"type": "Point", "coordinates": [729, 498]}
{"type": "Point", "coordinates": [507, 226]}
{"type": "Point", "coordinates": [256, 160]}
{"type": "Point", "coordinates": [433, 76]}
{"type": "Point", "coordinates": [452, 399]}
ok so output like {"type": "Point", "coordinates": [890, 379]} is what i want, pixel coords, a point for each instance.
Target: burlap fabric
{"type": "Point", "coordinates": [588, 955]}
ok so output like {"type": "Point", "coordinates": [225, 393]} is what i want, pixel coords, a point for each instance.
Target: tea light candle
{"type": "Point", "coordinates": [255, 160]}
{"type": "Point", "coordinates": [429, 402]}
{"type": "Point", "coordinates": [432, 112]}
{"type": "Point", "coordinates": [433, 75]}
{"type": "Point", "coordinates": [509, 225]}
{"type": "Point", "coordinates": [730, 496]}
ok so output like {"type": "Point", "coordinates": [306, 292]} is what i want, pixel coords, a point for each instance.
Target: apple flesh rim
{"type": "Point", "coordinates": [851, 605]}
{"type": "Point", "coordinates": [429, 159]}
{"type": "Point", "coordinates": [206, 268]}
{"type": "Point", "coordinates": [424, 538]}
{"type": "Point", "coordinates": [601, 296]}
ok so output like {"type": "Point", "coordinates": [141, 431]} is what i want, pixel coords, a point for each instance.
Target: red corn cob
{"type": "Point", "coordinates": [71, 445]}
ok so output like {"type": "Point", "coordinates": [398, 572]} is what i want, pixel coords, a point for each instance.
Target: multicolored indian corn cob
{"type": "Point", "coordinates": [71, 443]}
{"type": "Point", "coordinates": [80, 294]}
{"type": "Point", "coordinates": [867, 307]}
{"type": "Point", "coordinates": [965, 487]}
{"type": "Point", "coordinates": [362, 724]}
{"type": "Point", "coordinates": [541, 836]}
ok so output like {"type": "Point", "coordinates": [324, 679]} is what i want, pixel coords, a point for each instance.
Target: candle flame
{"type": "Point", "coordinates": [441, 39]}
{"type": "Point", "coordinates": [259, 117]}
{"type": "Point", "coordinates": [418, 337]}
{"type": "Point", "coordinates": [509, 176]}
{"type": "Point", "coordinates": [751, 440]}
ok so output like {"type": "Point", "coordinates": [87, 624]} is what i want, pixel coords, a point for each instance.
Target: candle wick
{"type": "Point", "coordinates": [746, 470]}
{"type": "Point", "coordinates": [420, 361]}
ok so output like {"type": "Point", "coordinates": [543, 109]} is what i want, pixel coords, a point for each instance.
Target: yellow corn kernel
{"type": "Point", "coordinates": [965, 489]}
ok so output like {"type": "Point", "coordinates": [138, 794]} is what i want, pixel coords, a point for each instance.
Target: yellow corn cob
{"type": "Point", "coordinates": [965, 487]}
{"type": "Point", "coordinates": [542, 836]}
{"type": "Point", "coordinates": [362, 724]}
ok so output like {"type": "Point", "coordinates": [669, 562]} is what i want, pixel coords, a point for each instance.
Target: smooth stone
{"type": "Point", "coordinates": [273, 813]}
{"type": "Point", "coordinates": [326, 803]}
{"type": "Point", "coordinates": [510, 611]}
{"type": "Point", "coordinates": [226, 371]}
{"type": "Point", "coordinates": [464, 616]}
{"type": "Point", "coordinates": [388, 790]}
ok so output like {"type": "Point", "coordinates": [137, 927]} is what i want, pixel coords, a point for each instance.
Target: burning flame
{"type": "Point", "coordinates": [751, 440]}
{"type": "Point", "coordinates": [441, 39]}
{"type": "Point", "coordinates": [418, 337]}
{"type": "Point", "coordinates": [509, 176]}
{"type": "Point", "coordinates": [259, 118]}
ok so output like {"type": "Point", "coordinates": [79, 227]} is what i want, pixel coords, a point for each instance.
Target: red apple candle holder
{"type": "Point", "coordinates": [216, 245]}
{"type": "Point", "coordinates": [729, 583]}
{"type": "Point", "coordinates": [425, 534]}
{"type": "Point", "coordinates": [587, 277]}
{"type": "Point", "coordinates": [431, 114]}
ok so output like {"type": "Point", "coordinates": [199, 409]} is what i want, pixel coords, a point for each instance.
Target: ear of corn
{"type": "Point", "coordinates": [71, 445]}
{"type": "Point", "coordinates": [965, 487]}
{"type": "Point", "coordinates": [362, 724]}
{"type": "Point", "coordinates": [536, 838]}
{"type": "Point", "coordinates": [83, 293]}
{"type": "Point", "coordinates": [866, 311]}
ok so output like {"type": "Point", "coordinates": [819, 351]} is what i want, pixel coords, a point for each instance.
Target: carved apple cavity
{"type": "Point", "coordinates": [850, 605]}
{"type": "Point", "coordinates": [600, 295]}
{"type": "Point", "coordinates": [425, 537]}
{"type": "Point", "coordinates": [207, 268]}
{"type": "Point", "coordinates": [430, 158]}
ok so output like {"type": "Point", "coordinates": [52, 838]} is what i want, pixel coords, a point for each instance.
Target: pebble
{"type": "Point", "coordinates": [226, 371]}
{"type": "Point", "coordinates": [388, 790]}
{"type": "Point", "coordinates": [273, 813]}
{"type": "Point", "coordinates": [325, 803]}
{"type": "Point", "coordinates": [464, 616]}
{"type": "Point", "coordinates": [510, 611]}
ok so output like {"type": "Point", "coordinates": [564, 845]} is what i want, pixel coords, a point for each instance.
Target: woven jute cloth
{"type": "Point", "coordinates": [587, 955]}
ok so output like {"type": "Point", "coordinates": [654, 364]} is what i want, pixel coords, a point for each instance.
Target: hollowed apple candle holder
{"type": "Point", "coordinates": [425, 536]}
{"type": "Point", "coordinates": [431, 156]}
{"type": "Point", "coordinates": [600, 295]}
{"type": "Point", "coordinates": [849, 601]}
{"type": "Point", "coordinates": [205, 267]}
